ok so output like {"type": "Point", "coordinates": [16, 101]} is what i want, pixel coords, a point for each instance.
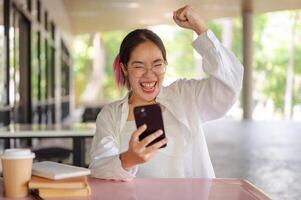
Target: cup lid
{"type": "Point", "coordinates": [17, 154]}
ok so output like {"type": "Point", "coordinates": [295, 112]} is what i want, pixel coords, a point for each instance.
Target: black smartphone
{"type": "Point", "coordinates": [150, 115]}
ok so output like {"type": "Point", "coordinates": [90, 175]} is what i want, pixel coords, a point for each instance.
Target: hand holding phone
{"type": "Point", "coordinates": [140, 152]}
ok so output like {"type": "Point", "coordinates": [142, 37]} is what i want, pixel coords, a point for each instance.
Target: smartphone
{"type": "Point", "coordinates": [150, 115]}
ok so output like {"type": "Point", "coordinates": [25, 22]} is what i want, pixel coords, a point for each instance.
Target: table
{"type": "Point", "coordinates": [78, 132]}
{"type": "Point", "coordinates": [171, 189]}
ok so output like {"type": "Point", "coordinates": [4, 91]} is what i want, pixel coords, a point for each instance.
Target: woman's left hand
{"type": "Point", "coordinates": [186, 17]}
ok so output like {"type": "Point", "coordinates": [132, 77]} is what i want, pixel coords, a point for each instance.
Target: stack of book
{"type": "Point", "coordinates": [69, 187]}
{"type": "Point", "coordinates": [52, 179]}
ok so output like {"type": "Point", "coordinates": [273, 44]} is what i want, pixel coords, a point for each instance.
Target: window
{"type": "Point", "coordinates": [65, 80]}
{"type": "Point", "coordinates": [27, 64]}
{"type": "Point", "coordinates": [4, 106]}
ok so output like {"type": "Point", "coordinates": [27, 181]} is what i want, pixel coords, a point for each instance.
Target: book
{"type": "Point", "coordinates": [56, 171]}
{"type": "Point", "coordinates": [37, 182]}
{"type": "Point", "coordinates": [48, 193]}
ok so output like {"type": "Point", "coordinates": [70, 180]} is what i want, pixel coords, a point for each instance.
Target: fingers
{"type": "Point", "coordinates": [180, 14]}
{"type": "Point", "coordinates": [151, 149]}
{"type": "Point", "coordinates": [138, 151]}
{"type": "Point", "coordinates": [138, 132]}
{"type": "Point", "coordinates": [147, 140]}
{"type": "Point", "coordinates": [186, 17]}
{"type": "Point", "coordinates": [175, 18]}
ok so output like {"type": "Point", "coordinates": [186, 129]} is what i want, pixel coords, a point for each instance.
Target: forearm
{"type": "Point", "coordinates": [127, 162]}
{"type": "Point", "coordinates": [200, 27]}
{"type": "Point", "coordinates": [111, 168]}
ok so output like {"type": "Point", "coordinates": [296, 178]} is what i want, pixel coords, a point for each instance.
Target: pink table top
{"type": "Point", "coordinates": [173, 189]}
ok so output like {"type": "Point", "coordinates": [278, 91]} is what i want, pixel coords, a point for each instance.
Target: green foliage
{"type": "Point", "coordinates": [216, 29]}
{"type": "Point", "coordinates": [180, 55]}
{"type": "Point", "coordinates": [271, 54]}
{"type": "Point", "coordinates": [82, 64]}
{"type": "Point", "coordinates": [297, 69]}
{"type": "Point", "coordinates": [112, 41]}
{"type": "Point", "coordinates": [237, 38]}
{"type": "Point", "coordinates": [298, 59]}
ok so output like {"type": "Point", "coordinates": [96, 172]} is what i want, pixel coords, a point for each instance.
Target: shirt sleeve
{"type": "Point", "coordinates": [214, 95]}
{"type": "Point", "coordinates": [105, 161]}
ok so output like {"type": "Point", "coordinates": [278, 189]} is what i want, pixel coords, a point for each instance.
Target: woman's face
{"type": "Point", "coordinates": [145, 70]}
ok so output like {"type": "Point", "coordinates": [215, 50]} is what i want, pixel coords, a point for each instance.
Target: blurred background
{"type": "Point", "coordinates": [56, 68]}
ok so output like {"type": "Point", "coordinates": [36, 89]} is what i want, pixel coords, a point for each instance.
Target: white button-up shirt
{"type": "Point", "coordinates": [191, 102]}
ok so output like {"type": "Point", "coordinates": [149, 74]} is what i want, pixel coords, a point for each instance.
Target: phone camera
{"type": "Point", "coordinates": [143, 112]}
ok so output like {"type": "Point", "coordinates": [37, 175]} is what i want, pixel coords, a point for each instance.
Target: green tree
{"type": "Point", "coordinates": [82, 64]}
{"type": "Point", "coordinates": [112, 41]}
{"type": "Point", "coordinates": [181, 62]}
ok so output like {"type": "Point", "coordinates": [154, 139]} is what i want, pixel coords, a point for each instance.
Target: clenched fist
{"type": "Point", "coordinates": [186, 17]}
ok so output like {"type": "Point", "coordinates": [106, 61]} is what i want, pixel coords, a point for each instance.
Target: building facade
{"type": "Point", "coordinates": [35, 64]}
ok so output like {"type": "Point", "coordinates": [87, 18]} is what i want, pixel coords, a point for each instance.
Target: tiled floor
{"type": "Point", "coordinates": [268, 154]}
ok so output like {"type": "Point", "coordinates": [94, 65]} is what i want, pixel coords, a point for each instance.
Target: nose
{"type": "Point", "coordinates": [149, 72]}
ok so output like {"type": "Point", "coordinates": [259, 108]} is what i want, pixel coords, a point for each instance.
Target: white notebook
{"type": "Point", "coordinates": [53, 170]}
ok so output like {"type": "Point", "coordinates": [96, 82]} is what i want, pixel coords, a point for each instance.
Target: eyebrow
{"type": "Point", "coordinates": [137, 62]}
{"type": "Point", "coordinates": [158, 60]}
{"type": "Point", "coordinates": [140, 62]}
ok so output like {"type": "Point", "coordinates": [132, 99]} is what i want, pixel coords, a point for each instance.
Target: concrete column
{"type": "Point", "coordinates": [247, 20]}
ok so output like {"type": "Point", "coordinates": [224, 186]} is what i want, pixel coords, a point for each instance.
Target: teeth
{"type": "Point", "coordinates": [148, 85]}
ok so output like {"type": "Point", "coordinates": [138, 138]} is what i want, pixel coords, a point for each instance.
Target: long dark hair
{"type": "Point", "coordinates": [132, 40]}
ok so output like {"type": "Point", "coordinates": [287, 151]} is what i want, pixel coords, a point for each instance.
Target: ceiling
{"type": "Point", "coordinates": [88, 16]}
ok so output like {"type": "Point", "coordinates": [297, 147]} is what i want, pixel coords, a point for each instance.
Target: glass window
{"type": "Point", "coordinates": [2, 64]}
{"type": "Point", "coordinates": [65, 80]}
{"type": "Point", "coordinates": [4, 104]}
{"type": "Point", "coordinates": [43, 71]}
{"type": "Point", "coordinates": [14, 58]}
{"type": "Point", "coordinates": [35, 75]}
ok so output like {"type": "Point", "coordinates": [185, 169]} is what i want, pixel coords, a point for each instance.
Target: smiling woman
{"type": "Point", "coordinates": [140, 65]}
{"type": "Point", "coordinates": [144, 71]}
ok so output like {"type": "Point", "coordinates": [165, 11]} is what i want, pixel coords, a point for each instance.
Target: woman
{"type": "Point", "coordinates": [116, 151]}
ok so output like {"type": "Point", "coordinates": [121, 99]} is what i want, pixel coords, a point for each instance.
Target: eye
{"type": "Point", "coordinates": [158, 64]}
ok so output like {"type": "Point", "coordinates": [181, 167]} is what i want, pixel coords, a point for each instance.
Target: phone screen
{"type": "Point", "coordinates": [150, 115]}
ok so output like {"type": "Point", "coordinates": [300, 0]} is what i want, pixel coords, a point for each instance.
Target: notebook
{"type": "Point", "coordinates": [37, 182]}
{"type": "Point", "coordinates": [56, 171]}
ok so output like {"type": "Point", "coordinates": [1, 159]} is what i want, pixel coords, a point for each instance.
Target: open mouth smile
{"type": "Point", "coordinates": [148, 87]}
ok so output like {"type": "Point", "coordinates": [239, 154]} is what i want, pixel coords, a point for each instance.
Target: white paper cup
{"type": "Point", "coordinates": [16, 166]}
